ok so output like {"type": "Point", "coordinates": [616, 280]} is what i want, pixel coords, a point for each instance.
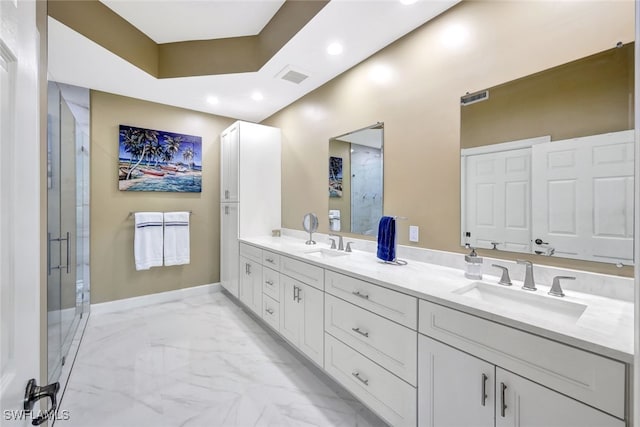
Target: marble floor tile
{"type": "Point", "coordinates": [201, 361]}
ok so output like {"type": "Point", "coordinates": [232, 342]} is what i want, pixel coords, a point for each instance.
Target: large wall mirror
{"type": "Point", "coordinates": [356, 180]}
{"type": "Point", "coordinates": [547, 161]}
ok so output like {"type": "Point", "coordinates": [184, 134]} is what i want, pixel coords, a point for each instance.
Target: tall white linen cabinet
{"type": "Point", "coordinates": [250, 159]}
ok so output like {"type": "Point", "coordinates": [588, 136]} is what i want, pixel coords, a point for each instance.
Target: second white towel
{"type": "Point", "coordinates": [176, 238]}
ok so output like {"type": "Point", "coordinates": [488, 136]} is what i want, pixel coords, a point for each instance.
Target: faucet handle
{"type": "Point", "coordinates": [505, 279]}
{"type": "Point", "coordinates": [556, 289]}
{"type": "Point", "coordinates": [333, 243]}
{"type": "Point", "coordinates": [348, 248]}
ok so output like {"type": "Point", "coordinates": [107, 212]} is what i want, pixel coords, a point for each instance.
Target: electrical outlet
{"type": "Point", "coordinates": [413, 233]}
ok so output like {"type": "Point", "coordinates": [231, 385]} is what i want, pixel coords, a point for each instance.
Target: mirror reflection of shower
{"type": "Point", "coordinates": [356, 177]}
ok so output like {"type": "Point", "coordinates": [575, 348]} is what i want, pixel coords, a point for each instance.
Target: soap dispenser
{"type": "Point", "coordinates": [473, 264]}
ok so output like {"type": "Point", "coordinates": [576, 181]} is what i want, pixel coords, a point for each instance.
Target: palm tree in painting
{"type": "Point", "coordinates": [188, 155]}
{"type": "Point", "coordinates": [155, 153]}
{"type": "Point", "coordinates": [144, 139]}
{"type": "Point", "coordinates": [172, 145]}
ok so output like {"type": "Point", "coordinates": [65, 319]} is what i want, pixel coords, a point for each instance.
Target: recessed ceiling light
{"type": "Point", "coordinates": [257, 96]}
{"type": "Point", "coordinates": [213, 100]}
{"type": "Point", "coordinates": [408, 2]}
{"type": "Point", "coordinates": [335, 49]}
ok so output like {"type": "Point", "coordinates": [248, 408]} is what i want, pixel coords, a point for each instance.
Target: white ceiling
{"type": "Point", "coordinates": [166, 21]}
{"type": "Point", "coordinates": [362, 26]}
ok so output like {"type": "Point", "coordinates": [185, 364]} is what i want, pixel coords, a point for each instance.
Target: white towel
{"type": "Point", "coordinates": [147, 242]}
{"type": "Point", "coordinates": [176, 238]}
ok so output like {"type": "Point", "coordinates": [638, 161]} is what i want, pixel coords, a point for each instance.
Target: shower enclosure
{"type": "Point", "coordinates": [67, 224]}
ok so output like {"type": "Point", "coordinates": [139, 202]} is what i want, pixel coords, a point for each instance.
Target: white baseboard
{"type": "Point", "coordinates": [145, 300]}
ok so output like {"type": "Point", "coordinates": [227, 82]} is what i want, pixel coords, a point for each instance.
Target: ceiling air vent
{"type": "Point", "coordinates": [471, 98]}
{"type": "Point", "coordinates": [291, 75]}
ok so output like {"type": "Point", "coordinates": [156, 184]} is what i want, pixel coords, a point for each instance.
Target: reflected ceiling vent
{"type": "Point", "coordinates": [472, 98]}
{"type": "Point", "coordinates": [291, 75]}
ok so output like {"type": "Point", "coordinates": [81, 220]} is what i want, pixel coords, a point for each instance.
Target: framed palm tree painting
{"type": "Point", "coordinates": [155, 160]}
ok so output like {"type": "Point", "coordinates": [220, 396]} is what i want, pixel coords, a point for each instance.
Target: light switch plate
{"type": "Point", "coordinates": [413, 233]}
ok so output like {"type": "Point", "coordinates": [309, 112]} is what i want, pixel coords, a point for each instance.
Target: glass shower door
{"type": "Point", "coordinates": [67, 222]}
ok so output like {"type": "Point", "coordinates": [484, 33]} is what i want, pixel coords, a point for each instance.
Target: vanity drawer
{"type": "Point", "coordinates": [271, 283]}
{"type": "Point", "coordinates": [251, 252]}
{"type": "Point", "coordinates": [271, 260]}
{"type": "Point", "coordinates": [387, 395]}
{"type": "Point", "coordinates": [389, 344]}
{"type": "Point", "coordinates": [393, 305]}
{"type": "Point", "coordinates": [271, 312]}
{"type": "Point", "coordinates": [587, 377]}
{"type": "Point", "coordinates": [306, 273]}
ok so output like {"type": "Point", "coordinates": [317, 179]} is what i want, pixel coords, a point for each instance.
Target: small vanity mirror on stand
{"type": "Point", "coordinates": [310, 225]}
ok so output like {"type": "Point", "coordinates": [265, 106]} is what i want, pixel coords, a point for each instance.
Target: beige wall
{"type": "Point", "coordinates": [420, 106]}
{"type": "Point", "coordinates": [590, 96]}
{"type": "Point", "coordinates": [113, 274]}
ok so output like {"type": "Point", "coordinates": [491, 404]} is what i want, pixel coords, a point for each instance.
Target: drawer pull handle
{"type": "Point", "coordinates": [503, 405]}
{"type": "Point", "coordinates": [270, 260]}
{"type": "Point", "coordinates": [357, 330]}
{"type": "Point", "coordinates": [358, 294]}
{"type": "Point", "coordinates": [269, 282]}
{"type": "Point", "coordinates": [270, 311]}
{"type": "Point", "coordinates": [483, 401]}
{"type": "Point", "coordinates": [362, 380]}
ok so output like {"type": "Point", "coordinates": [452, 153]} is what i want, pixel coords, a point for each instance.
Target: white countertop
{"type": "Point", "coordinates": [605, 327]}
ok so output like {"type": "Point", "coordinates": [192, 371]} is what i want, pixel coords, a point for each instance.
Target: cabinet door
{"type": "Point", "coordinates": [245, 288]}
{"type": "Point", "coordinates": [289, 309]}
{"type": "Point", "coordinates": [523, 403]}
{"type": "Point", "coordinates": [311, 302]}
{"type": "Point", "coordinates": [454, 388]}
{"type": "Point", "coordinates": [229, 248]}
{"type": "Point", "coordinates": [230, 157]}
{"type": "Point", "coordinates": [255, 275]}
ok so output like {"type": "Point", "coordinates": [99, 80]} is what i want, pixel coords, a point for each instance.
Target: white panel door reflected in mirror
{"type": "Point", "coordinates": [547, 162]}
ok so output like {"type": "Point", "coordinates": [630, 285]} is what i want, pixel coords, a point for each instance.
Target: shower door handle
{"type": "Point", "coordinates": [68, 250]}
{"type": "Point", "coordinates": [59, 240]}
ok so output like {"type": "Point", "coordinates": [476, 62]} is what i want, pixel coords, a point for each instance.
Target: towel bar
{"type": "Point", "coordinates": [133, 213]}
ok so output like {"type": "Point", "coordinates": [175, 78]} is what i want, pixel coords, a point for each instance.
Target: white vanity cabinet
{"type": "Point", "coordinates": [527, 404]}
{"type": "Point", "coordinates": [371, 345]}
{"type": "Point", "coordinates": [457, 389]}
{"type": "Point", "coordinates": [454, 388]}
{"type": "Point", "coordinates": [301, 317]}
{"type": "Point", "coordinates": [251, 284]}
{"type": "Point", "coordinates": [537, 382]}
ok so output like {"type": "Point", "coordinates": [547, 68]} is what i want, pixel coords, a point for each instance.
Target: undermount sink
{"type": "Point", "coordinates": [528, 302]}
{"type": "Point", "coordinates": [326, 253]}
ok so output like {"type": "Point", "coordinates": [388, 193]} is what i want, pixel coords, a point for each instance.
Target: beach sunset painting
{"type": "Point", "coordinates": [155, 160]}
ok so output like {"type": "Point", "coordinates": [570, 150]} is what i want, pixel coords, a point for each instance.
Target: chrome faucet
{"type": "Point", "coordinates": [556, 289]}
{"type": "Point", "coordinates": [340, 242]}
{"type": "Point", "coordinates": [505, 279]}
{"type": "Point", "coordinates": [529, 282]}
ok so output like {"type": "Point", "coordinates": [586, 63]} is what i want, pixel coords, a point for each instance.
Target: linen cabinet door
{"type": "Point", "coordinates": [229, 248]}
{"type": "Point", "coordinates": [311, 301]}
{"type": "Point", "coordinates": [455, 389]}
{"type": "Point", "coordinates": [230, 159]}
{"type": "Point", "coordinates": [289, 309]}
{"type": "Point", "coordinates": [523, 403]}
